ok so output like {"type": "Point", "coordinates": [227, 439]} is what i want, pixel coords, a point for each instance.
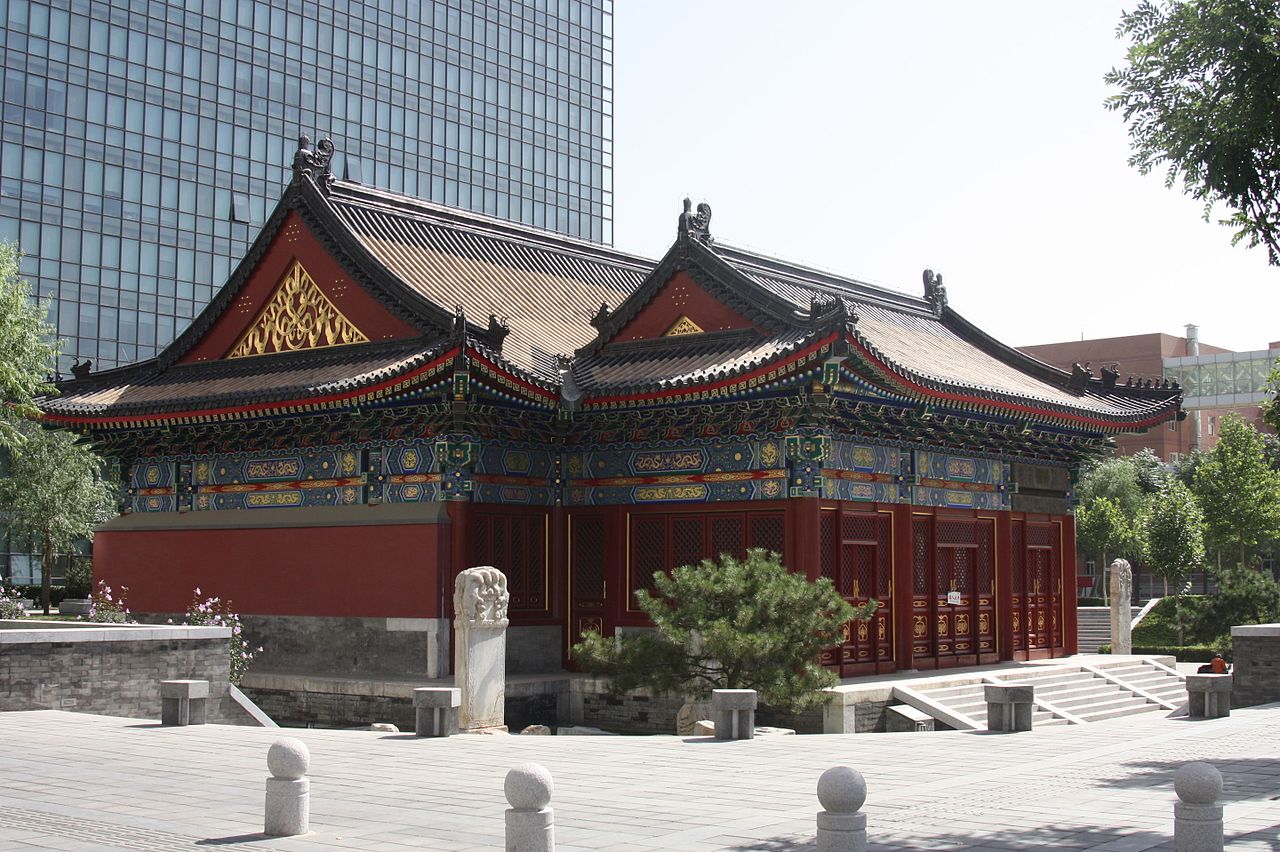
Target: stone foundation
{"type": "Point", "coordinates": [1256, 669]}
{"type": "Point", "coordinates": [114, 670]}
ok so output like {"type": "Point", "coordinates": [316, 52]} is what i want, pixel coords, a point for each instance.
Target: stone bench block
{"type": "Point", "coordinates": [184, 702]}
{"type": "Point", "coordinates": [436, 710]}
{"type": "Point", "coordinates": [735, 713]}
{"type": "Point", "coordinates": [1009, 706]}
{"type": "Point", "coordinates": [904, 718]}
{"type": "Point", "coordinates": [1208, 696]}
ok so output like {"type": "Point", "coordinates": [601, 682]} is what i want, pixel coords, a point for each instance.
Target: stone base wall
{"type": "Point", "coordinates": [1256, 668]}
{"type": "Point", "coordinates": [350, 646]}
{"type": "Point", "coordinates": [103, 670]}
{"type": "Point", "coordinates": [297, 709]}
{"type": "Point", "coordinates": [635, 711]}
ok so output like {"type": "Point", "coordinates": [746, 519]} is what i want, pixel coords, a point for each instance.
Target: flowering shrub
{"type": "Point", "coordinates": [11, 604]}
{"type": "Point", "coordinates": [216, 612]}
{"type": "Point", "coordinates": [107, 606]}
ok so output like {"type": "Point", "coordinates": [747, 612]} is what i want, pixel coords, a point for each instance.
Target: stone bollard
{"type": "Point", "coordinates": [531, 825]}
{"type": "Point", "coordinates": [436, 711]}
{"type": "Point", "coordinates": [288, 809]}
{"type": "Point", "coordinates": [1009, 706]}
{"type": "Point", "coordinates": [734, 712]}
{"type": "Point", "coordinates": [1197, 818]}
{"type": "Point", "coordinates": [1208, 696]}
{"type": "Point", "coordinates": [841, 827]}
{"type": "Point", "coordinates": [183, 702]}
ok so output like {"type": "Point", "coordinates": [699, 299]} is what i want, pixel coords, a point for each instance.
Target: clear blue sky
{"type": "Point", "coordinates": [877, 139]}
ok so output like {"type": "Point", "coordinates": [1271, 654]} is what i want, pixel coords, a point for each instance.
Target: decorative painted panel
{"type": "Point", "coordinates": [960, 482]}
{"type": "Point", "coordinates": [151, 487]}
{"type": "Point", "coordinates": [709, 472]}
{"type": "Point", "coordinates": [515, 475]}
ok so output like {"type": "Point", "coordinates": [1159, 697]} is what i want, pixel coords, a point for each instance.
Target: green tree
{"type": "Point", "coordinates": [1199, 94]}
{"type": "Point", "coordinates": [1103, 530]}
{"type": "Point", "coordinates": [1244, 596]}
{"type": "Point", "coordinates": [54, 492]}
{"type": "Point", "coordinates": [1237, 490]}
{"type": "Point", "coordinates": [729, 624]}
{"type": "Point", "coordinates": [26, 354]}
{"type": "Point", "coordinates": [1173, 530]}
{"type": "Point", "coordinates": [1271, 407]}
{"type": "Point", "coordinates": [1117, 478]}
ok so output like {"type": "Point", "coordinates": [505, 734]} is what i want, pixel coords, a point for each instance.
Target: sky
{"type": "Point", "coordinates": [877, 139]}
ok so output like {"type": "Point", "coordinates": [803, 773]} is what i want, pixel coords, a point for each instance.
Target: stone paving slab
{"type": "Point", "coordinates": [74, 781]}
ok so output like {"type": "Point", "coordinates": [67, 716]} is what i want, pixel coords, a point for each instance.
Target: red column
{"type": "Point", "coordinates": [903, 588]}
{"type": "Point", "coordinates": [804, 544]}
{"type": "Point", "coordinates": [1070, 639]}
{"type": "Point", "coordinates": [459, 554]}
{"type": "Point", "coordinates": [1004, 585]}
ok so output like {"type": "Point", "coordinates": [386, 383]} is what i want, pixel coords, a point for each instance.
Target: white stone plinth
{"type": "Point", "coordinates": [1121, 614]}
{"type": "Point", "coordinates": [530, 822]}
{"type": "Point", "coordinates": [842, 827]}
{"type": "Point", "coordinates": [480, 647]}
{"type": "Point", "coordinates": [1197, 817]}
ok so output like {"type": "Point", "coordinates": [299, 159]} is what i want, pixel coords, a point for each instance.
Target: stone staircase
{"type": "Point", "coordinates": [1094, 625]}
{"type": "Point", "coordinates": [1071, 693]}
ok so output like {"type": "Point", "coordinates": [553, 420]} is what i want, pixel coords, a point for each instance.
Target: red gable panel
{"type": "Point", "coordinates": [296, 243]}
{"type": "Point", "coordinates": [681, 297]}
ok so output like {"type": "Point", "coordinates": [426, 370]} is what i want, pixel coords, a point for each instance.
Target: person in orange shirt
{"type": "Point", "coordinates": [1219, 665]}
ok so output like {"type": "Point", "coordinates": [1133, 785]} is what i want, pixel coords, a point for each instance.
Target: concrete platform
{"type": "Point", "coordinates": [74, 781]}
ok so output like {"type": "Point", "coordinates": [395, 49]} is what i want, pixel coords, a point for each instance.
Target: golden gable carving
{"type": "Point", "coordinates": [297, 316]}
{"type": "Point", "coordinates": [684, 325]}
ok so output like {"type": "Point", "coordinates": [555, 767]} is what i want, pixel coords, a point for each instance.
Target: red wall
{"type": "Point", "coordinates": [359, 571]}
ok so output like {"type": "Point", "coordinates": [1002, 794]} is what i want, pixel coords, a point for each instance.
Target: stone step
{"type": "Point", "coordinates": [946, 694]}
{"type": "Point", "coordinates": [1116, 713]}
{"type": "Point", "coordinates": [1120, 702]}
{"type": "Point", "coordinates": [1093, 701]}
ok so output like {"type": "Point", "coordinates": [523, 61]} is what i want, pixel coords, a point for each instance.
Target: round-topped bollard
{"type": "Point", "coordinates": [288, 803]}
{"type": "Point", "coordinates": [1197, 816]}
{"type": "Point", "coordinates": [530, 822]}
{"type": "Point", "coordinates": [841, 826]}
{"type": "Point", "coordinates": [288, 758]}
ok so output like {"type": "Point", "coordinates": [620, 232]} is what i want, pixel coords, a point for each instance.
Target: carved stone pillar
{"type": "Point", "coordinates": [480, 647]}
{"type": "Point", "coordinates": [1121, 614]}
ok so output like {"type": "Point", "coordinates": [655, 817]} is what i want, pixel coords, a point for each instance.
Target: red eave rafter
{"type": "Point", "coordinates": [512, 377]}
{"type": "Point", "coordinates": [245, 409]}
{"type": "Point", "coordinates": [686, 390]}
{"type": "Point", "coordinates": [1009, 406]}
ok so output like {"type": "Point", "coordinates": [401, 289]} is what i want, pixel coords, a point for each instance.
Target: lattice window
{"type": "Point", "coordinates": [884, 552]}
{"type": "Point", "coordinates": [954, 532]}
{"type": "Point", "coordinates": [829, 546]}
{"type": "Point", "coordinates": [1019, 566]}
{"type": "Point", "coordinates": [859, 527]}
{"type": "Point", "coordinates": [943, 570]}
{"type": "Point", "coordinates": [963, 569]}
{"type": "Point", "coordinates": [481, 549]}
{"type": "Point", "coordinates": [727, 536]}
{"type": "Point", "coordinates": [865, 559]}
{"type": "Point", "coordinates": [588, 558]}
{"type": "Point", "coordinates": [518, 575]}
{"type": "Point", "coordinates": [984, 570]}
{"type": "Point", "coordinates": [687, 546]}
{"type": "Point", "coordinates": [648, 551]}
{"type": "Point", "coordinates": [920, 556]}
{"type": "Point", "coordinates": [767, 531]}
{"type": "Point", "coordinates": [1039, 536]}
{"type": "Point", "coordinates": [516, 546]}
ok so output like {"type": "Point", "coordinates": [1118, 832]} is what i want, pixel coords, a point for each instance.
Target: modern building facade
{"type": "Point", "coordinates": [1214, 382]}
{"type": "Point", "coordinates": [387, 392]}
{"type": "Point", "coordinates": [144, 143]}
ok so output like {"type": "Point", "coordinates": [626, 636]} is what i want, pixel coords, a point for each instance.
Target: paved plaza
{"type": "Point", "coordinates": [74, 781]}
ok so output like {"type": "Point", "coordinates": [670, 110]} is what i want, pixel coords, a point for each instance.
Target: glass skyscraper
{"type": "Point", "coordinates": [144, 142]}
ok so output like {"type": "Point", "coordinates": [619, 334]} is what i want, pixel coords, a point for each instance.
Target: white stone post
{"type": "Point", "coordinates": [1121, 611]}
{"type": "Point", "coordinates": [183, 702]}
{"type": "Point", "coordinates": [841, 827]}
{"type": "Point", "coordinates": [288, 809]}
{"type": "Point", "coordinates": [436, 711]}
{"type": "Point", "coordinates": [531, 825]}
{"type": "Point", "coordinates": [480, 647]}
{"type": "Point", "coordinates": [1010, 706]}
{"type": "Point", "coordinates": [734, 711]}
{"type": "Point", "coordinates": [1197, 818]}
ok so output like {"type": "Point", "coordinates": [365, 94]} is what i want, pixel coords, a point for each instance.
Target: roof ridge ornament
{"type": "Point", "coordinates": [695, 226]}
{"type": "Point", "coordinates": [826, 309]}
{"type": "Point", "coordinates": [934, 293]}
{"type": "Point", "coordinates": [315, 163]}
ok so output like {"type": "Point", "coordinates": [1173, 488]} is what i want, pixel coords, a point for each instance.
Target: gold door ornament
{"type": "Point", "coordinates": [297, 316]}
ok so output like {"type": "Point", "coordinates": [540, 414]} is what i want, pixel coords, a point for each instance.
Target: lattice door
{"type": "Point", "coordinates": [866, 572]}
{"type": "Point", "coordinates": [587, 583]}
{"type": "Point", "coordinates": [953, 601]}
{"type": "Point", "coordinates": [1044, 588]}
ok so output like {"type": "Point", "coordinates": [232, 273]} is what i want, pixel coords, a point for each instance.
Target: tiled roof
{"type": "Point", "coordinates": [241, 382]}
{"type": "Point", "coordinates": [547, 287]}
